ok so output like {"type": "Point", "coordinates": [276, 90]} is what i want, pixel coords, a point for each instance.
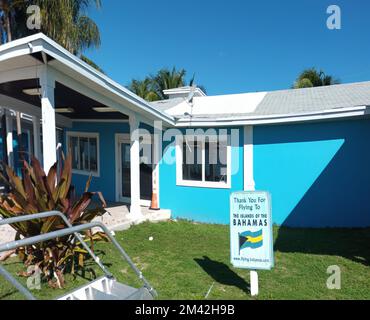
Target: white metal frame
{"type": "Point", "coordinates": [79, 134]}
{"type": "Point", "coordinates": [119, 139]}
{"type": "Point", "coordinates": [201, 184]}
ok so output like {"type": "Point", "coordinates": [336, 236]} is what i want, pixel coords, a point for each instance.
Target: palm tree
{"type": "Point", "coordinates": [151, 88]}
{"type": "Point", "coordinates": [144, 89]}
{"type": "Point", "coordinates": [166, 79]}
{"type": "Point", "coordinates": [313, 78]}
{"type": "Point", "coordinates": [64, 21]}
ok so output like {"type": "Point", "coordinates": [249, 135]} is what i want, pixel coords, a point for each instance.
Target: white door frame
{"type": "Point", "coordinates": [119, 139]}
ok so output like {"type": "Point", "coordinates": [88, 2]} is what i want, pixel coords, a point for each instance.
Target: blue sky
{"type": "Point", "coordinates": [233, 46]}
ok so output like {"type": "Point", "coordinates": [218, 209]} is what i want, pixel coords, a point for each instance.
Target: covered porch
{"type": "Point", "coordinates": [61, 94]}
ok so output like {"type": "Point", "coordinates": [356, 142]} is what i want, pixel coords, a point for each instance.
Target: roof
{"type": "Point", "coordinates": [282, 104]}
{"type": "Point", "coordinates": [186, 90]}
{"type": "Point", "coordinates": [165, 105]}
{"type": "Point", "coordinates": [60, 58]}
{"type": "Point", "coordinates": [345, 100]}
{"type": "Point", "coordinates": [315, 99]}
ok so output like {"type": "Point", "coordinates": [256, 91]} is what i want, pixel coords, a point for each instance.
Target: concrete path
{"type": "Point", "coordinates": [117, 218]}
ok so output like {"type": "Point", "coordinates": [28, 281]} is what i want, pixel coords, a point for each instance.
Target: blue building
{"type": "Point", "coordinates": [308, 147]}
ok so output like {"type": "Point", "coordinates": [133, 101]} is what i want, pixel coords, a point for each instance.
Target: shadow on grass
{"type": "Point", "coordinates": [352, 244]}
{"type": "Point", "coordinates": [8, 294]}
{"type": "Point", "coordinates": [222, 273]}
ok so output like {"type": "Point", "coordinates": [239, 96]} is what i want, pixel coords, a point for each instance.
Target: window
{"type": "Point", "coordinates": [203, 162]}
{"type": "Point", "coordinates": [216, 161]}
{"type": "Point", "coordinates": [192, 160]}
{"type": "Point", "coordinates": [85, 152]}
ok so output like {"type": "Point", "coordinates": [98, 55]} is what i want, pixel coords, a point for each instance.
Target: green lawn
{"type": "Point", "coordinates": [185, 259]}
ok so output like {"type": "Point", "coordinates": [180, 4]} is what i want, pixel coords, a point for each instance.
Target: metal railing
{"type": "Point", "coordinates": [60, 233]}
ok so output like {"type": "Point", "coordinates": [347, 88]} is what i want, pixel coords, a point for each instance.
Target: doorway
{"type": "Point", "coordinates": [123, 170]}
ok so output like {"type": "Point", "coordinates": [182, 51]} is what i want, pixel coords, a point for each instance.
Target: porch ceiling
{"type": "Point", "coordinates": [64, 98]}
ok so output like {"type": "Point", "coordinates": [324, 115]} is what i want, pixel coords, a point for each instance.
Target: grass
{"type": "Point", "coordinates": [185, 259]}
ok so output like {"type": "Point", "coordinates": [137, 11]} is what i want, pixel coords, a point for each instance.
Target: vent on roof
{"type": "Point", "coordinates": [184, 92]}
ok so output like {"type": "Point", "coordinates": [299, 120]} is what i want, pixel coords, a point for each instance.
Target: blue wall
{"type": "Point", "coordinates": [106, 183]}
{"type": "Point", "coordinates": [18, 165]}
{"type": "Point", "coordinates": [318, 174]}
{"type": "Point", "coordinates": [199, 204]}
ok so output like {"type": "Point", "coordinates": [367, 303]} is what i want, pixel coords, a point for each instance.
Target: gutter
{"type": "Point", "coordinates": [276, 119]}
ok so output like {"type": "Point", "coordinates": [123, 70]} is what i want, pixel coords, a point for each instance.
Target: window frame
{"type": "Point", "coordinates": [88, 135]}
{"type": "Point", "coordinates": [203, 183]}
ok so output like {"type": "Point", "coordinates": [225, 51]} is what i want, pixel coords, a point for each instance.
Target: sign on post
{"type": "Point", "coordinates": [251, 234]}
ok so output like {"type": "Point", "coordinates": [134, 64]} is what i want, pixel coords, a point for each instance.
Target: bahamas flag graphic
{"type": "Point", "coordinates": [249, 239]}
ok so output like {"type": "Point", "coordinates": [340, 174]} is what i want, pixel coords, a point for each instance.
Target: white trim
{"type": "Point", "coordinates": [358, 111]}
{"type": "Point", "coordinates": [81, 134]}
{"type": "Point", "coordinates": [200, 184]}
{"type": "Point", "coordinates": [184, 90]}
{"type": "Point", "coordinates": [157, 152]}
{"type": "Point", "coordinates": [41, 43]}
{"type": "Point", "coordinates": [135, 209]}
{"type": "Point", "coordinates": [155, 182]}
{"type": "Point", "coordinates": [69, 63]}
{"type": "Point", "coordinates": [249, 183]}
{"type": "Point", "coordinates": [49, 140]}
{"type": "Point", "coordinates": [59, 53]}
{"type": "Point", "coordinates": [119, 138]}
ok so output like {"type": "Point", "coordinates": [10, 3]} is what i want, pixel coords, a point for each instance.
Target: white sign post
{"type": "Point", "coordinates": [251, 237]}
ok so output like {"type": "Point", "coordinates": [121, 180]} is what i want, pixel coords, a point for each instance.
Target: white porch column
{"type": "Point", "coordinates": [48, 120]}
{"type": "Point", "coordinates": [36, 137]}
{"type": "Point", "coordinates": [156, 151]}
{"type": "Point", "coordinates": [135, 210]}
{"type": "Point", "coordinates": [9, 137]}
{"type": "Point", "coordinates": [249, 184]}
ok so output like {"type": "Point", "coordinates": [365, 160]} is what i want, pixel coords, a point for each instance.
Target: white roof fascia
{"type": "Point", "coordinates": [277, 119]}
{"type": "Point", "coordinates": [183, 90]}
{"type": "Point", "coordinates": [41, 43]}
